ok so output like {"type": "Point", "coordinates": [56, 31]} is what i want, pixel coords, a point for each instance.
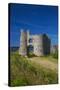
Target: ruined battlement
{"type": "Point", "coordinates": [38, 44]}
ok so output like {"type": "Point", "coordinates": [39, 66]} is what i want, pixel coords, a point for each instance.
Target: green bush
{"type": "Point", "coordinates": [55, 55]}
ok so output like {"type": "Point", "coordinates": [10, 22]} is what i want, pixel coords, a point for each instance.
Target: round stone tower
{"type": "Point", "coordinates": [23, 43]}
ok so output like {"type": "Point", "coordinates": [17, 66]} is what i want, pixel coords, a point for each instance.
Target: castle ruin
{"type": "Point", "coordinates": [39, 45]}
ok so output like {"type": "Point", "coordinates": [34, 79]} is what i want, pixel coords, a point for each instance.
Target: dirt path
{"type": "Point", "coordinates": [45, 63]}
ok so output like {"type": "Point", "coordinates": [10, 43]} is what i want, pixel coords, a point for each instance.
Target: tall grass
{"type": "Point", "coordinates": [25, 72]}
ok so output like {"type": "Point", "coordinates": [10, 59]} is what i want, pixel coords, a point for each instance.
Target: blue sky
{"type": "Point", "coordinates": [38, 19]}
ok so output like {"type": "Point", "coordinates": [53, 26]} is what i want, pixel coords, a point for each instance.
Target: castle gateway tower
{"type": "Point", "coordinates": [40, 43]}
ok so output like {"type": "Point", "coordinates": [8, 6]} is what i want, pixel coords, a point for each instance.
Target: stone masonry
{"type": "Point", "coordinates": [38, 44]}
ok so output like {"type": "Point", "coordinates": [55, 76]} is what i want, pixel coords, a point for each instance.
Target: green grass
{"type": "Point", "coordinates": [24, 72]}
{"type": "Point", "coordinates": [50, 57]}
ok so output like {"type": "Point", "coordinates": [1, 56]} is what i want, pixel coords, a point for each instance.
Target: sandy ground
{"type": "Point", "coordinates": [46, 63]}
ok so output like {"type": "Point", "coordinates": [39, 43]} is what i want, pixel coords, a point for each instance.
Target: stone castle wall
{"type": "Point", "coordinates": [40, 43]}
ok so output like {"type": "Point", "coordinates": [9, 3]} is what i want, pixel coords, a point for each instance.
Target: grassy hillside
{"type": "Point", "coordinates": [25, 72]}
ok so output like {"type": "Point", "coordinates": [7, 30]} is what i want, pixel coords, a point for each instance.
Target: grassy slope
{"type": "Point", "coordinates": [25, 72]}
